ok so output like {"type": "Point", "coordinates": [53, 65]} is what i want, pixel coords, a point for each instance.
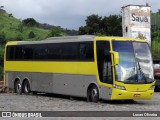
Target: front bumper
{"type": "Point", "coordinates": [118, 94]}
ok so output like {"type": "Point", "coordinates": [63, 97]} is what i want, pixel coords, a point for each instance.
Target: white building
{"type": "Point", "coordinates": [136, 22]}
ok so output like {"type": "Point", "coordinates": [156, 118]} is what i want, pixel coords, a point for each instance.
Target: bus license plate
{"type": "Point", "coordinates": [136, 95]}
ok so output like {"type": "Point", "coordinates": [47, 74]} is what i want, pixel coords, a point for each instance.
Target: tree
{"type": "Point", "coordinates": [111, 25]}
{"type": "Point", "coordinates": [10, 15]}
{"type": "Point", "coordinates": [82, 30]}
{"type": "Point", "coordinates": [31, 35]}
{"type": "Point", "coordinates": [20, 28]}
{"type": "Point", "coordinates": [93, 24]}
{"type": "Point", "coordinates": [30, 22]}
{"type": "Point", "coordinates": [1, 52]}
{"type": "Point", "coordinates": [2, 38]}
{"type": "Point", "coordinates": [54, 33]}
{"type": "Point", "coordinates": [19, 37]}
{"type": "Point", "coordinates": [70, 32]}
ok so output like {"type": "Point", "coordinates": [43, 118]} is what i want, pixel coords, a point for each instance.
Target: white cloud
{"type": "Point", "coordinates": [68, 13]}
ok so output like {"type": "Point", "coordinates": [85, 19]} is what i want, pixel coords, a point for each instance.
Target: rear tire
{"type": "Point", "coordinates": [18, 87]}
{"type": "Point", "coordinates": [26, 87]}
{"type": "Point", "coordinates": [94, 94]}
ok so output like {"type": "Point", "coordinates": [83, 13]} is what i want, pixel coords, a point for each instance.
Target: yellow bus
{"type": "Point", "coordinates": [109, 68]}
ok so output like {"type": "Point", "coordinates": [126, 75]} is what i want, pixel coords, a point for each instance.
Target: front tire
{"type": "Point", "coordinates": [94, 94]}
{"type": "Point", "coordinates": [26, 87]}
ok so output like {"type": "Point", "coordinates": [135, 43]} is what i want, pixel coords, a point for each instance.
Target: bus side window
{"type": "Point", "coordinates": [40, 52]}
{"type": "Point", "coordinates": [28, 52]}
{"type": "Point", "coordinates": [19, 53]}
{"type": "Point", "coordinates": [104, 62]}
{"type": "Point", "coordinates": [82, 51]}
{"type": "Point", "coordinates": [54, 51]}
{"type": "Point", "coordinates": [86, 51]}
{"type": "Point", "coordinates": [10, 53]}
{"type": "Point", "coordinates": [70, 51]}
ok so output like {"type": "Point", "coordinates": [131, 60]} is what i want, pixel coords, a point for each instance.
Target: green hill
{"type": "Point", "coordinates": [13, 29]}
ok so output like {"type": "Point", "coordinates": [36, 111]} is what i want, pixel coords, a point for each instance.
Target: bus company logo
{"type": "Point", "coordinates": [6, 114]}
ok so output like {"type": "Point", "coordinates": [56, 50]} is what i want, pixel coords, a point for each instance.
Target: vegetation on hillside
{"type": "Point", "coordinates": [155, 31]}
{"type": "Point", "coordinates": [155, 46]}
{"type": "Point", "coordinates": [13, 29]}
{"type": "Point", "coordinates": [112, 26]}
{"type": "Point", "coordinates": [29, 29]}
{"type": "Point", "coordinates": [97, 25]}
{"type": "Point", "coordinates": [155, 21]}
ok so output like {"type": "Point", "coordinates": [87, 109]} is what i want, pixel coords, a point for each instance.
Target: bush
{"type": "Point", "coordinates": [30, 22]}
{"type": "Point", "coordinates": [1, 53]}
{"type": "Point", "coordinates": [55, 33]}
{"type": "Point", "coordinates": [2, 38]}
{"type": "Point", "coordinates": [31, 35]}
{"type": "Point", "coordinates": [19, 38]}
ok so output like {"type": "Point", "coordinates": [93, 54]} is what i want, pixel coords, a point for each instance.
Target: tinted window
{"type": "Point", "coordinates": [86, 51]}
{"type": "Point", "coordinates": [40, 52]}
{"type": "Point", "coordinates": [70, 51]}
{"type": "Point", "coordinates": [28, 52]}
{"type": "Point", "coordinates": [54, 52]}
{"type": "Point", "coordinates": [76, 51]}
{"type": "Point", "coordinates": [63, 51]}
{"type": "Point", "coordinates": [19, 52]}
{"type": "Point", "coordinates": [10, 53]}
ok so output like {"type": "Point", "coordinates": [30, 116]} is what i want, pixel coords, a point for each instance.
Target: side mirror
{"type": "Point", "coordinates": [115, 57]}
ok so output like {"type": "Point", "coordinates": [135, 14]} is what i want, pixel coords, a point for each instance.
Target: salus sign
{"type": "Point", "coordinates": [140, 19]}
{"type": "Point", "coordinates": [136, 22]}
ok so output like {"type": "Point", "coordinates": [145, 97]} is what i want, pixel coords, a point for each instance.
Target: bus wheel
{"type": "Point", "coordinates": [18, 87]}
{"type": "Point", "coordinates": [26, 87]}
{"type": "Point", "coordinates": [94, 94]}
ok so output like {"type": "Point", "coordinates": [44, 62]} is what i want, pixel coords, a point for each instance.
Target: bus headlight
{"type": "Point", "coordinates": [119, 87]}
{"type": "Point", "coordinates": [152, 87]}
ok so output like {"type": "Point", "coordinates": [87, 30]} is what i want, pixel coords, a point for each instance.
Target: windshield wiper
{"type": "Point", "coordinates": [139, 68]}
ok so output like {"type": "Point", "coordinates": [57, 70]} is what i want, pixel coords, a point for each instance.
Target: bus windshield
{"type": "Point", "coordinates": [135, 62]}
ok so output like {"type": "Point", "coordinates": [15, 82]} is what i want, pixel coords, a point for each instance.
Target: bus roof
{"type": "Point", "coordinates": [77, 38]}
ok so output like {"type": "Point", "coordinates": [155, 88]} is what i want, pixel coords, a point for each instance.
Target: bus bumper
{"type": "Point", "coordinates": [127, 95]}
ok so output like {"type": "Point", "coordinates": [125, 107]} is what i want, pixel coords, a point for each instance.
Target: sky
{"type": "Point", "coordinates": [70, 14]}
